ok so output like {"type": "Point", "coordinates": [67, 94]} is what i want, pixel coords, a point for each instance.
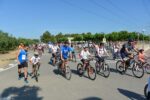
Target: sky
{"type": "Point", "coordinates": [31, 18]}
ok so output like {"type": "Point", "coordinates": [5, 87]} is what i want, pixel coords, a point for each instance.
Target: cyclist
{"type": "Point", "coordinates": [85, 54]}
{"type": "Point", "coordinates": [126, 50]}
{"type": "Point", "coordinates": [22, 62]}
{"type": "Point", "coordinates": [35, 60]}
{"type": "Point", "coordinates": [101, 51]}
{"type": "Point", "coordinates": [141, 56]}
{"type": "Point", "coordinates": [54, 50]}
{"type": "Point", "coordinates": [65, 53]}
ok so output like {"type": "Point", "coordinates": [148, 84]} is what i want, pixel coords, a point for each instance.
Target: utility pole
{"type": "Point", "coordinates": [143, 37]}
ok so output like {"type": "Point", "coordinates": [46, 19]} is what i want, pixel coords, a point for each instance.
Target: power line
{"type": "Point", "coordinates": [90, 12]}
{"type": "Point", "coordinates": [107, 10]}
{"type": "Point", "coordinates": [121, 10]}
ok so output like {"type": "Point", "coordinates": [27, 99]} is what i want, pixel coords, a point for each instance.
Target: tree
{"type": "Point", "coordinates": [46, 37]}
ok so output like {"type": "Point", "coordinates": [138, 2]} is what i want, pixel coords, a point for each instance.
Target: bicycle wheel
{"type": "Point", "coordinates": [97, 66]}
{"type": "Point", "coordinates": [137, 70]}
{"type": "Point", "coordinates": [147, 68]}
{"type": "Point", "coordinates": [106, 70]}
{"type": "Point", "coordinates": [91, 73]}
{"type": "Point", "coordinates": [146, 90]}
{"type": "Point", "coordinates": [80, 69]}
{"type": "Point", "coordinates": [67, 73]}
{"type": "Point", "coordinates": [36, 73]}
{"type": "Point", "coordinates": [120, 66]}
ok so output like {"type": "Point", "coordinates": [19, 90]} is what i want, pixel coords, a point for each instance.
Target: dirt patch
{"type": "Point", "coordinates": [7, 58]}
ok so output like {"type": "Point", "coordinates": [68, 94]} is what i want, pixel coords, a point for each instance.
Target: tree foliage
{"type": "Point", "coordinates": [8, 42]}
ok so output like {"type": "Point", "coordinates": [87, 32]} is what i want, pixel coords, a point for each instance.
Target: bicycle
{"type": "Point", "coordinates": [36, 69]}
{"type": "Point", "coordinates": [146, 66]}
{"type": "Point", "coordinates": [102, 67]}
{"type": "Point", "coordinates": [90, 70]}
{"type": "Point", "coordinates": [66, 72]}
{"type": "Point", "coordinates": [57, 58]}
{"type": "Point", "coordinates": [122, 66]}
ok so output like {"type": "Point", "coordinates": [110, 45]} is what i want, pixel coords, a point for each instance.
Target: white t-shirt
{"type": "Point", "coordinates": [84, 55]}
{"type": "Point", "coordinates": [35, 60]}
{"type": "Point", "coordinates": [54, 49]}
{"type": "Point", "coordinates": [116, 48]}
{"type": "Point", "coordinates": [101, 51]}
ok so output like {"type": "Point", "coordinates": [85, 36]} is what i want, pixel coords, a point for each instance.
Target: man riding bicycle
{"type": "Point", "coordinates": [100, 51]}
{"type": "Point", "coordinates": [126, 50]}
{"type": "Point", "coordinates": [65, 53]}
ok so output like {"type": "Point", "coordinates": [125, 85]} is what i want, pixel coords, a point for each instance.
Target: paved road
{"type": "Point", "coordinates": [52, 86]}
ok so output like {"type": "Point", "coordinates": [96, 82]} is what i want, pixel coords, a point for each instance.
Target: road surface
{"type": "Point", "coordinates": [52, 86]}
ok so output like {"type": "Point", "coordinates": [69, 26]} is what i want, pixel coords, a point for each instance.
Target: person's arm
{"type": "Point", "coordinates": [136, 49]}
{"type": "Point", "coordinates": [17, 56]}
{"type": "Point", "coordinates": [106, 52]}
{"type": "Point", "coordinates": [61, 55]}
{"type": "Point", "coordinates": [31, 59]}
{"type": "Point", "coordinates": [81, 54]}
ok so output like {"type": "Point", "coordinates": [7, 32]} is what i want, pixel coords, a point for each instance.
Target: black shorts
{"type": "Point", "coordinates": [101, 59]}
{"type": "Point", "coordinates": [54, 55]}
{"type": "Point", "coordinates": [22, 65]}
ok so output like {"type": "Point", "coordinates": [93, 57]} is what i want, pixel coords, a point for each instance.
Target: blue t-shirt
{"type": "Point", "coordinates": [22, 57]}
{"type": "Point", "coordinates": [65, 51]}
{"type": "Point", "coordinates": [128, 46]}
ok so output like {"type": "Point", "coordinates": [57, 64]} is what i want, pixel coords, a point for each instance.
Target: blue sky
{"type": "Point", "coordinates": [30, 18]}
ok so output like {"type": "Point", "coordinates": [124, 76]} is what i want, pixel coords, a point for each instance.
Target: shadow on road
{"type": "Point", "coordinates": [56, 71]}
{"type": "Point", "coordinates": [113, 70]}
{"type": "Point", "coordinates": [76, 73]}
{"type": "Point", "coordinates": [22, 93]}
{"type": "Point", "coordinates": [131, 95]}
{"type": "Point", "coordinates": [92, 98]}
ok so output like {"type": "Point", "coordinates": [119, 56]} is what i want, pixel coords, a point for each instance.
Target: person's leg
{"type": "Point", "coordinates": [19, 71]}
{"type": "Point", "coordinates": [39, 65]}
{"type": "Point", "coordinates": [33, 69]}
{"type": "Point", "coordinates": [25, 65]}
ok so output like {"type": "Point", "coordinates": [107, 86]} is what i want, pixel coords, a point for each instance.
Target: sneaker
{"type": "Point", "coordinates": [19, 77]}
{"type": "Point", "coordinates": [25, 80]}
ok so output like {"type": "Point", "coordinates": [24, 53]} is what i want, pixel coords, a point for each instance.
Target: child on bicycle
{"type": "Point", "coordinates": [35, 60]}
{"type": "Point", "coordinates": [84, 55]}
{"type": "Point", "coordinates": [141, 56]}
